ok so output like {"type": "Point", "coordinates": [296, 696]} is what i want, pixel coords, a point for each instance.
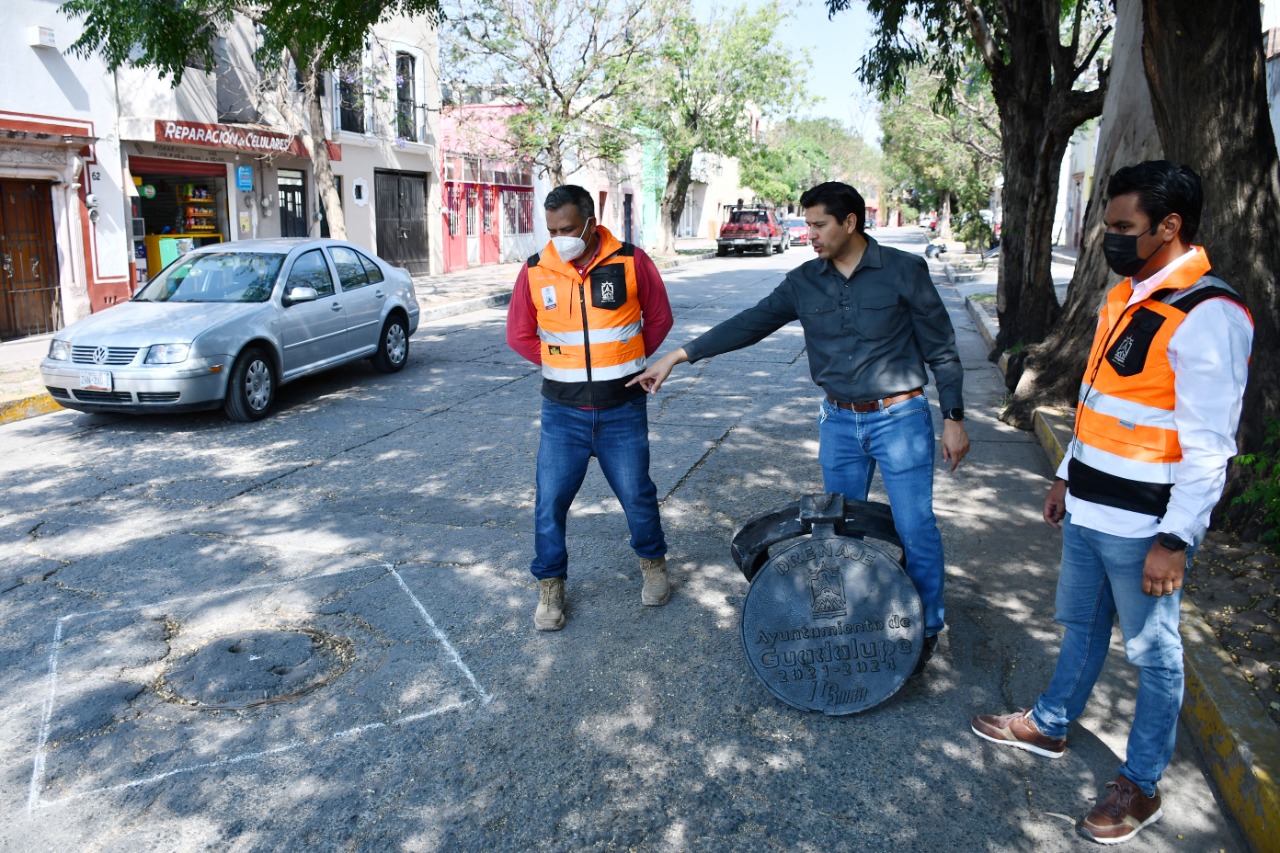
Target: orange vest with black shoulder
{"type": "Point", "coordinates": [589, 325]}
{"type": "Point", "coordinates": [1126, 443]}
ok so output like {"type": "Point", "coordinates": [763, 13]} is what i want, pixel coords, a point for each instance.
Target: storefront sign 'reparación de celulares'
{"type": "Point", "coordinates": [233, 138]}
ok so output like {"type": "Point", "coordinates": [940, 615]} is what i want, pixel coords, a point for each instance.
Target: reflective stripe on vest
{"type": "Point", "coordinates": [598, 374]}
{"type": "Point", "coordinates": [1126, 446]}
{"type": "Point", "coordinates": [598, 336]}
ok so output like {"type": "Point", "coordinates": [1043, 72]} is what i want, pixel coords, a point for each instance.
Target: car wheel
{"type": "Point", "coordinates": [252, 387]}
{"type": "Point", "coordinates": [393, 346]}
{"type": "Point", "coordinates": [722, 251]}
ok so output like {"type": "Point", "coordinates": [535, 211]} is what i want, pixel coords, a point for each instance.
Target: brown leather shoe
{"type": "Point", "coordinates": [1121, 813]}
{"type": "Point", "coordinates": [1018, 730]}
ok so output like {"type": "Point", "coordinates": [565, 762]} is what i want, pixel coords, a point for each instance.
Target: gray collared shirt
{"type": "Point", "coordinates": [868, 336]}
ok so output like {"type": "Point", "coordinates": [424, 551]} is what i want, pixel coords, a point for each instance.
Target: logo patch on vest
{"type": "Point", "coordinates": [1122, 351]}
{"type": "Point", "coordinates": [549, 298]}
{"type": "Point", "coordinates": [553, 350]}
{"type": "Point", "coordinates": [609, 287]}
{"type": "Point", "coordinates": [1128, 355]}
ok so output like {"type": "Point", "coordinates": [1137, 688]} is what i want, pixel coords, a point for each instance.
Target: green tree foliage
{"type": "Point", "coordinates": [946, 145]}
{"type": "Point", "coordinates": [574, 67]}
{"type": "Point", "coordinates": [310, 37]}
{"type": "Point", "coordinates": [1040, 58]}
{"type": "Point", "coordinates": [708, 83]}
{"type": "Point", "coordinates": [800, 153]}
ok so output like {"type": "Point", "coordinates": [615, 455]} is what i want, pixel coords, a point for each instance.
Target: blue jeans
{"type": "Point", "coordinates": [619, 438]}
{"type": "Point", "coordinates": [900, 440]}
{"type": "Point", "coordinates": [1100, 578]}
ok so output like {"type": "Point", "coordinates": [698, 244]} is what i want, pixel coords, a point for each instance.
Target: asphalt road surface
{"type": "Point", "coordinates": [317, 629]}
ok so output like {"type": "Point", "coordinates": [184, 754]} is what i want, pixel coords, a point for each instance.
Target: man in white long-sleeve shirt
{"type": "Point", "coordinates": [1155, 429]}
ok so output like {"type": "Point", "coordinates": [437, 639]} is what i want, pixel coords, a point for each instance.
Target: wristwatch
{"type": "Point", "coordinates": [1171, 541]}
{"type": "Point", "coordinates": [953, 414]}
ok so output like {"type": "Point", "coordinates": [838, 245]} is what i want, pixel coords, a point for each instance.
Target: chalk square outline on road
{"type": "Point", "coordinates": [34, 800]}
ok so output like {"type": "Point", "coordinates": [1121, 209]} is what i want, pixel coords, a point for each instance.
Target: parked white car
{"type": "Point", "coordinates": [228, 324]}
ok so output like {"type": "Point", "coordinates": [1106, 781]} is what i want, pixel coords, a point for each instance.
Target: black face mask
{"type": "Point", "coordinates": [1121, 251]}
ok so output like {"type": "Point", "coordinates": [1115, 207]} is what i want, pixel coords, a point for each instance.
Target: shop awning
{"type": "Point", "coordinates": [186, 168]}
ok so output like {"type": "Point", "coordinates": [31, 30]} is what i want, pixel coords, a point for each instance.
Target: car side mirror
{"type": "Point", "coordinates": [301, 293]}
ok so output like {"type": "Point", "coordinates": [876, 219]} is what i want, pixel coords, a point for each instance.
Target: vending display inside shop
{"type": "Point", "coordinates": [173, 214]}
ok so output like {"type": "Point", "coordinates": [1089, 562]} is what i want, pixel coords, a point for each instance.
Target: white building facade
{"type": "Point", "coordinates": [107, 177]}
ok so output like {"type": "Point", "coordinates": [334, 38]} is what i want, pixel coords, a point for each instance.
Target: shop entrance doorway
{"type": "Point", "coordinates": [30, 302]}
{"type": "Point", "coordinates": [293, 203]}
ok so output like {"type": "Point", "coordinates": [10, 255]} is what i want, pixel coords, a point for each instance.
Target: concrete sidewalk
{"type": "Point", "coordinates": [22, 394]}
{"type": "Point", "coordinates": [1238, 740]}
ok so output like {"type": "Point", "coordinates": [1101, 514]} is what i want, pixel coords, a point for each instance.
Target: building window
{"type": "Point", "coordinates": [517, 210]}
{"type": "Point", "coordinates": [351, 100]}
{"type": "Point", "coordinates": [406, 109]}
{"type": "Point", "coordinates": [472, 198]}
{"type": "Point", "coordinates": [324, 214]}
{"type": "Point", "coordinates": [454, 192]}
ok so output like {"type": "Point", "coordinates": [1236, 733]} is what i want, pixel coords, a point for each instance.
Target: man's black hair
{"type": "Point", "coordinates": [571, 194]}
{"type": "Point", "coordinates": [1162, 188]}
{"type": "Point", "coordinates": [839, 200]}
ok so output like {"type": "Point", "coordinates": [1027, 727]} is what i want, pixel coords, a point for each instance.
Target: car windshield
{"type": "Point", "coordinates": [215, 277]}
{"type": "Point", "coordinates": [795, 223]}
{"type": "Point", "coordinates": [746, 217]}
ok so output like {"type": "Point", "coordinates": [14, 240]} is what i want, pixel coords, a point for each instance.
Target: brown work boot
{"type": "Point", "coordinates": [1120, 813]}
{"type": "Point", "coordinates": [1018, 730]}
{"type": "Point", "coordinates": [656, 590]}
{"type": "Point", "coordinates": [550, 613]}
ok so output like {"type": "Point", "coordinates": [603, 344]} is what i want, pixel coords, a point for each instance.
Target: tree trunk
{"type": "Point", "coordinates": [1033, 85]}
{"type": "Point", "coordinates": [313, 139]}
{"type": "Point", "coordinates": [1052, 369]}
{"type": "Point", "coordinates": [679, 176]}
{"type": "Point", "coordinates": [1218, 124]}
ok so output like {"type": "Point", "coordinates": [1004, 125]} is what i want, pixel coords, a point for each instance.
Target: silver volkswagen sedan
{"type": "Point", "coordinates": [228, 324]}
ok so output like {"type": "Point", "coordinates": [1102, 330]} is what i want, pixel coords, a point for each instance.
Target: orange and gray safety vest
{"type": "Point", "coordinates": [1126, 446]}
{"type": "Point", "coordinates": [589, 325]}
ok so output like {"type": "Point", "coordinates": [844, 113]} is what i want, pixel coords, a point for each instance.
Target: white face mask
{"type": "Point", "coordinates": [569, 248]}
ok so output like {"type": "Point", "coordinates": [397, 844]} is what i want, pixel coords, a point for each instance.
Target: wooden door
{"type": "Point", "coordinates": [400, 205]}
{"type": "Point", "coordinates": [30, 300]}
{"type": "Point", "coordinates": [292, 187]}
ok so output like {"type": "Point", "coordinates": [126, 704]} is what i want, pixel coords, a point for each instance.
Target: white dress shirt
{"type": "Point", "coordinates": [1209, 354]}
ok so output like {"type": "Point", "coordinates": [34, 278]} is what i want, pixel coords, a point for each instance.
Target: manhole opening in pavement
{"type": "Point", "coordinates": [256, 667]}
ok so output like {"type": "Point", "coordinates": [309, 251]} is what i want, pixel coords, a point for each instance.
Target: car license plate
{"type": "Point", "coordinates": [95, 380]}
{"type": "Point", "coordinates": [739, 242]}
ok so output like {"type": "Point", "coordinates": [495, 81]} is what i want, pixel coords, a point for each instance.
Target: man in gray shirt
{"type": "Point", "coordinates": [872, 320]}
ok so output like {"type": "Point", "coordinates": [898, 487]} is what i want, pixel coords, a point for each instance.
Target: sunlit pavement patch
{"type": "Point", "coordinates": [139, 694]}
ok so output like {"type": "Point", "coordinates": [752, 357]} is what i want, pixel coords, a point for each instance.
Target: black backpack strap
{"type": "Point", "coordinates": [1209, 287]}
{"type": "Point", "coordinates": [533, 260]}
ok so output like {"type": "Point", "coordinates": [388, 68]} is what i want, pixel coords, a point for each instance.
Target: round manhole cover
{"type": "Point", "coordinates": [832, 624]}
{"type": "Point", "coordinates": [257, 666]}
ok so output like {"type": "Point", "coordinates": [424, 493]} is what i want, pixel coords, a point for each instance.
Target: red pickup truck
{"type": "Point", "coordinates": [755, 228]}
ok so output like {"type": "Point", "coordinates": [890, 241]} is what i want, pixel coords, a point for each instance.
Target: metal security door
{"type": "Point", "coordinates": [293, 203]}
{"type": "Point", "coordinates": [30, 302]}
{"type": "Point", "coordinates": [400, 204]}
{"type": "Point", "coordinates": [490, 251]}
{"type": "Point", "coordinates": [455, 236]}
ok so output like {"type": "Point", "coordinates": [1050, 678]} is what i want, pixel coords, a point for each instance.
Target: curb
{"type": "Point", "coordinates": [988, 329]}
{"type": "Point", "coordinates": [1235, 736]}
{"type": "Point", "coordinates": [27, 407]}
